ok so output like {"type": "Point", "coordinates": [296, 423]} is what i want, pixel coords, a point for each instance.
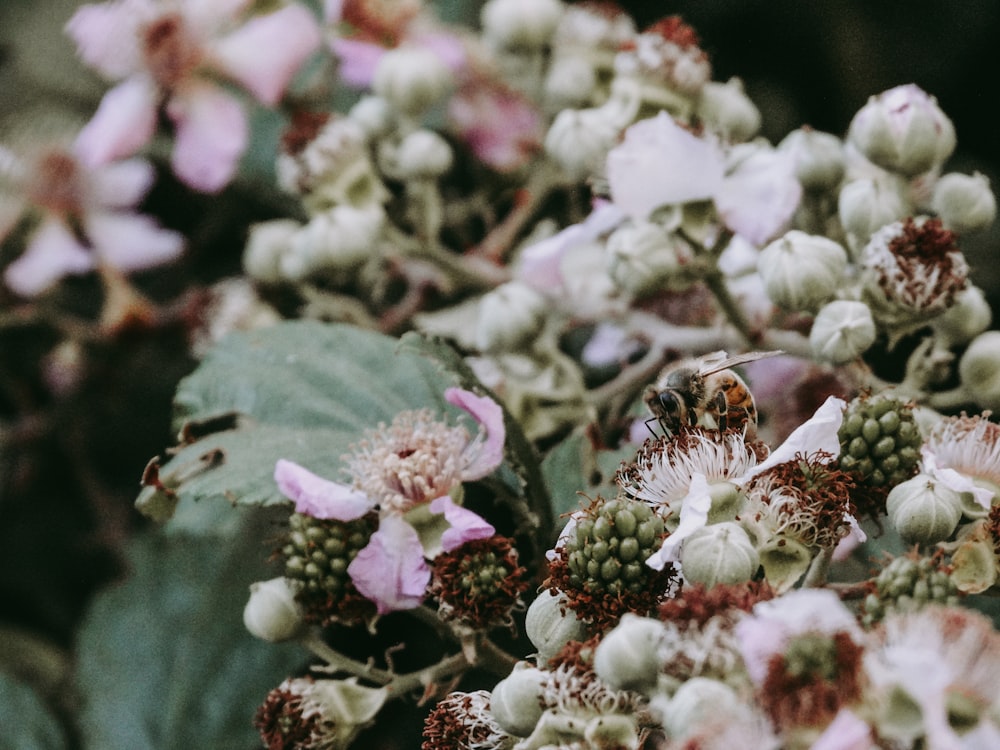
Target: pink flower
{"type": "Point", "coordinates": [661, 163]}
{"type": "Point", "coordinates": [318, 497]}
{"type": "Point", "coordinates": [391, 570]}
{"type": "Point", "coordinates": [481, 456]}
{"type": "Point", "coordinates": [86, 219]}
{"type": "Point", "coordinates": [465, 526]}
{"type": "Point", "coordinates": [171, 55]}
{"type": "Point", "coordinates": [500, 126]}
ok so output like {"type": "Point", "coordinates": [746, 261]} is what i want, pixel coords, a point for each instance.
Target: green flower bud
{"type": "Point", "coordinates": [719, 553]}
{"type": "Point", "coordinates": [520, 24]}
{"type": "Point", "coordinates": [728, 110]}
{"type": "Point", "coordinates": [643, 259]}
{"type": "Point", "coordinates": [516, 700]}
{"type": "Point", "coordinates": [969, 315]}
{"type": "Point", "coordinates": [696, 702]}
{"type": "Point", "coordinates": [272, 613]}
{"type": "Point", "coordinates": [422, 154]}
{"type": "Point", "coordinates": [550, 624]}
{"type": "Point", "coordinates": [964, 202]}
{"type": "Point", "coordinates": [979, 370]}
{"type": "Point", "coordinates": [801, 271]}
{"type": "Point", "coordinates": [339, 238]}
{"type": "Point", "coordinates": [866, 205]}
{"type": "Point", "coordinates": [612, 730]}
{"type": "Point", "coordinates": [923, 510]}
{"type": "Point", "coordinates": [412, 79]}
{"type": "Point", "coordinates": [373, 115]}
{"type": "Point", "coordinates": [819, 158]}
{"type": "Point", "coordinates": [842, 331]}
{"type": "Point", "coordinates": [510, 317]}
{"type": "Point", "coordinates": [903, 130]}
{"type": "Point", "coordinates": [570, 82]}
{"type": "Point", "coordinates": [579, 139]}
{"type": "Point", "coordinates": [267, 242]}
{"type": "Point", "coordinates": [626, 658]}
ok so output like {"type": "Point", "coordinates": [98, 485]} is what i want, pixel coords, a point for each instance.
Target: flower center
{"type": "Point", "coordinates": [171, 50]}
{"type": "Point", "coordinates": [57, 184]}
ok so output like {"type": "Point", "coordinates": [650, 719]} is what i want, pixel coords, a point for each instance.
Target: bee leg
{"type": "Point", "coordinates": [651, 430]}
{"type": "Point", "coordinates": [721, 409]}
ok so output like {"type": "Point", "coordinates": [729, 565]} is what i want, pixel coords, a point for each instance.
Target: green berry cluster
{"type": "Point", "coordinates": [879, 441]}
{"type": "Point", "coordinates": [608, 551]}
{"type": "Point", "coordinates": [907, 584]}
{"type": "Point", "coordinates": [318, 551]}
{"type": "Point", "coordinates": [479, 582]}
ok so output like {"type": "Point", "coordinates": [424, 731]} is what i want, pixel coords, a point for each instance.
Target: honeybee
{"type": "Point", "coordinates": [687, 390]}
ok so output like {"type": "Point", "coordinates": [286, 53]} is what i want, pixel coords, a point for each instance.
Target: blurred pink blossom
{"type": "Point", "coordinates": [86, 217]}
{"type": "Point", "coordinates": [662, 163]}
{"type": "Point", "coordinates": [170, 55]}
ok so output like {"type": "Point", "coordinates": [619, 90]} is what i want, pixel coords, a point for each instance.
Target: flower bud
{"type": "Point", "coordinates": [866, 205]}
{"type": "Point", "coordinates": [336, 239]}
{"type": "Point", "coordinates": [267, 242]}
{"type": "Point", "coordinates": [526, 24]}
{"type": "Point", "coordinates": [644, 259]}
{"type": "Point", "coordinates": [570, 82]}
{"type": "Point", "coordinates": [979, 370]}
{"type": "Point", "coordinates": [626, 658]}
{"type": "Point", "coordinates": [422, 154]}
{"type": "Point", "coordinates": [612, 730]}
{"type": "Point", "coordinates": [969, 316]}
{"type": "Point", "coordinates": [579, 140]}
{"type": "Point", "coordinates": [516, 700]}
{"type": "Point", "coordinates": [550, 624]}
{"type": "Point", "coordinates": [801, 271]}
{"type": "Point", "coordinates": [903, 130]}
{"type": "Point", "coordinates": [719, 553]}
{"type": "Point", "coordinates": [697, 701]}
{"type": "Point", "coordinates": [819, 158]}
{"type": "Point", "coordinates": [510, 317]}
{"type": "Point", "coordinates": [842, 331]}
{"type": "Point", "coordinates": [272, 613]}
{"type": "Point", "coordinates": [923, 510]}
{"type": "Point", "coordinates": [728, 111]}
{"type": "Point", "coordinates": [373, 115]}
{"type": "Point", "coordinates": [411, 79]}
{"type": "Point", "coordinates": [964, 202]}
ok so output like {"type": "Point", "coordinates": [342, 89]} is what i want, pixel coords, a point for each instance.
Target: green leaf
{"type": "Point", "coordinates": [575, 470]}
{"type": "Point", "coordinates": [304, 391]}
{"type": "Point", "coordinates": [310, 374]}
{"type": "Point", "coordinates": [164, 659]}
{"type": "Point", "coordinates": [27, 722]}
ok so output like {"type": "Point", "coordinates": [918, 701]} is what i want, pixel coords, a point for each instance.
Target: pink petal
{"type": "Point", "coordinates": [660, 163]}
{"type": "Point", "coordinates": [846, 732]}
{"type": "Point", "coordinates": [759, 198]}
{"type": "Point", "coordinates": [487, 412]}
{"type": "Point", "coordinates": [332, 11]}
{"type": "Point", "coordinates": [500, 126]}
{"type": "Point", "coordinates": [466, 526]}
{"type": "Point", "coordinates": [122, 184]}
{"type": "Point", "coordinates": [450, 48]}
{"type": "Point", "coordinates": [391, 570]}
{"type": "Point", "coordinates": [267, 50]}
{"type": "Point", "coordinates": [211, 135]}
{"type": "Point", "coordinates": [131, 242]}
{"type": "Point", "coordinates": [107, 35]}
{"type": "Point", "coordinates": [52, 253]}
{"type": "Point", "coordinates": [124, 122]}
{"type": "Point", "coordinates": [318, 497]}
{"type": "Point", "coordinates": [358, 61]}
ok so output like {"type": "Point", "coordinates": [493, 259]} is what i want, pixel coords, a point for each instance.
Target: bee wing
{"type": "Point", "coordinates": [717, 361]}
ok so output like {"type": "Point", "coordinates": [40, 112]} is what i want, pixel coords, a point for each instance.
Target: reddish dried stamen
{"type": "Point", "coordinates": [57, 184]}
{"type": "Point", "coordinates": [171, 51]}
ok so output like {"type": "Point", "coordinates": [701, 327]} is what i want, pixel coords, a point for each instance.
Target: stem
{"type": "Point", "coordinates": [818, 569]}
{"type": "Point", "coordinates": [498, 243]}
{"type": "Point", "coordinates": [342, 663]}
{"type": "Point", "coordinates": [950, 400]}
{"type": "Point", "coordinates": [717, 286]}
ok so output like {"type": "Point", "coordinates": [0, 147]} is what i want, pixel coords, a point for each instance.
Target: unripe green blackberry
{"type": "Point", "coordinates": [479, 582]}
{"type": "Point", "coordinates": [608, 550]}
{"type": "Point", "coordinates": [907, 584]}
{"type": "Point", "coordinates": [879, 443]}
{"type": "Point", "coordinates": [317, 553]}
